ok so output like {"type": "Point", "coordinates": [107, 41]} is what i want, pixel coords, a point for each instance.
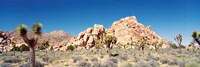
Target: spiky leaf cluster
{"type": "Point", "coordinates": [37, 28]}
{"type": "Point", "coordinates": [109, 38]}
{"type": "Point", "coordinates": [22, 30]}
{"type": "Point", "coordinates": [196, 36]}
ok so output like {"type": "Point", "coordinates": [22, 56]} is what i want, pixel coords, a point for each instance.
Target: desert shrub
{"type": "Point", "coordinates": [114, 60]}
{"type": "Point", "coordinates": [5, 65]}
{"type": "Point", "coordinates": [94, 59]}
{"type": "Point", "coordinates": [86, 59]}
{"type": "Point", "coordinates": [3, 54]}
{"type": "Point", "coordinates": [42, 47]}
{"type": "Point", "coordinates": [47, 59]}
{"type": "Point", "coordinates": [153, 63]}
{"type": "Point", "coordinates": [109, 64]}
{"type": "Point", "coordinates": [192, 64]}
{"type": "Point", "coordinates": [126, 65]}
{"type": "Point", "coordinates": [174, 46]}
{"type": "Point", "coordinates": [150, 57]}
{"type": "Point", "coordinates": [180, 55]}
{"type": "Point", "coordinates": [71, 47]}
{"type": "Point", "coordinates": [37, 64]}
{"type": "Point", "coordinates": [141, 64]}
{"type": "Point", "coordinates": [23, 48]}
{"type": "Point", "coordinates": [11, 60]}
{"type": "Point", "coordinates": [186, 52]}
{"type": "Point", "coordinates": [77, 58]}
{"type": "Point", "coordinates": [172, 62]}
{"type": "Point", "coordinates": [198, 61]}
{"type": "Point", "coordinates": [84, 64]}
{"type": "Point", "coordinates": [101, 56]}
{"type": "Point", "coordinates": [105, 64]}
{"type": "Point", "coordinates": [181, 63]}
{"type": "Point", "coordinates": [136, 59]}
{"type": "Point", "coordinates": [97, 64]}
{"type": "Point", "coordinates": [164, 61]}
{"type": "Point", "coordinates": [182, 46]}
{"type": "Point", "coordinates": [123, 57]}
{"type": "Point", "coordinates": [172, 52]}
{"type": "Point", "coordinates": [27, 59]}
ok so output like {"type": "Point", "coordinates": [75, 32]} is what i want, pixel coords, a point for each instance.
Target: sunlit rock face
{"type": "Point", "coordinates": [87, 38]}
{"type": "Point", "coordinates": [129, 29]}
{"type": "Point", "coordinates": [126, 30]}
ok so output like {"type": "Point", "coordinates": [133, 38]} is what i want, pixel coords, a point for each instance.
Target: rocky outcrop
{"type": "Point", "coordinates": [126, 30]}
{"type": "Point", "coordinates": [87, 38]}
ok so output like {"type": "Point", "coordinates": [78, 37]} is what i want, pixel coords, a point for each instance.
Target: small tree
{"type": "Point", "coordinates": [32, 42]}
{"type": "Point", "coordinates": [178, 39]}
{"type": "Point", "coordinates": [142, 42]}
{"type": "Point", "coordinates": [196, 37]}
{"type": "Point", "coordinates": [155, 44]}
{"type": "Point", "coordinates": [109, 41]}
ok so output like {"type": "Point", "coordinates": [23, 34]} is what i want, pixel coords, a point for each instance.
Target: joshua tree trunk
{"type": "Point", "coordinates": [155, 47]}
{"type": "Point", "coordinates": [109, 48]}
{"type": "Point", "coordinates": [197, 40]}
{"type": "Point", "coordinates": [109, 51]}
{"type": "Point", "coordinates": [32, 57]}
{"type": "Point", "coordinates": [143, 48]}
{"type": "Point", "coordinates": [180, 47]}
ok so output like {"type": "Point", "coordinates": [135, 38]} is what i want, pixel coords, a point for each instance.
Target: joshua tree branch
{"type": "Point", "coordinates": [26, 40]}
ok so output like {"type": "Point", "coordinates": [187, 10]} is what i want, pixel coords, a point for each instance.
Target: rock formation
{"type": "Point", "coordinates": [126, 30]}
{"type": "Point", "coordinates": [87, 38]}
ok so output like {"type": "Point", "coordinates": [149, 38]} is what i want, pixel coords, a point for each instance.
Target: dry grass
{"type": "Point", "coordinates": [91, 58]}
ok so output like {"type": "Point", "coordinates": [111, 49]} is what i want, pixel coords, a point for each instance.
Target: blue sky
{"type": "Point", "coordinates": [167, 17]}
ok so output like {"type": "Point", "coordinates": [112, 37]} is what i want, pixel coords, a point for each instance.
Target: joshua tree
{"type": "Point", "coordinates": [109, 41]}
{"type": "Point", "coordinates": [196, 37]}
{"type": "Point", "coordinates": [32, 42]}
{"type": "Point", "coordinates": [142, 43]}
{"type": "Point", "coordinates": [155, 44]}
{"type": "Point", "coordinates": [178, 39]}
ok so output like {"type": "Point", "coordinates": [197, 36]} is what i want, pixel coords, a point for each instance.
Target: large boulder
{"type": "Point", "coordinates": [87, 38]}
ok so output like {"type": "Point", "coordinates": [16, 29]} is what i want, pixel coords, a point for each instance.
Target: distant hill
{"type": "Point", "coordinates": [55, 38]}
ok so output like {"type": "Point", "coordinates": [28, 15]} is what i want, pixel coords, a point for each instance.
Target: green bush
{"type": "Point", "coordinates": [5, 65]}
{"type": "Point", "coordinates": [71, 47]}
{"type": "Point", "coordinates": [192, 64]}
{"type": "Point", "coordinates": [21, 48]}
{"type": "Point", "coordinates": [173, 46]}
